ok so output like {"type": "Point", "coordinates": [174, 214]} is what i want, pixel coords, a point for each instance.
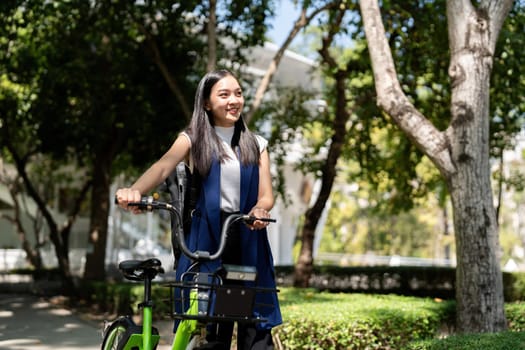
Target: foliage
{"type": "Point", "coordinates": [420, 51]}
{"type": "Point", "coordinates": [292, 112]}
{"type": "Point", "coordinates": [514, 286]}
{"type": "Point", "coordinates": [315, 320]}
{"type": "Point", "coordinates": [376, 155]}
{"type": "Point", "coordinates": [95, 74]}
{"type": "Point", "coordinates": [516, 316]}
{"type": "Point", "coordinates": [508, 111]}
{"type": "Point", "coordinates": [354, 227]}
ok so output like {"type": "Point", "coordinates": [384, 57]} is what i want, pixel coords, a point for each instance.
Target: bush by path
{"type": "Point", "coordinates": [357, 321]}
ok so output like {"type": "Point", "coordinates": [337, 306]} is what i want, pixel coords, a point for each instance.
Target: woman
{"type": "Point", "coordinates": [235, 170]}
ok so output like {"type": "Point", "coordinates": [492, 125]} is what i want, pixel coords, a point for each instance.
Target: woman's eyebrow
{"type": "Point", "coordinates": [228, 90]}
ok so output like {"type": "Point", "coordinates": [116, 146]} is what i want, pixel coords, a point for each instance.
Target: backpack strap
{"type": "Point", "coordinates": [184, 189]}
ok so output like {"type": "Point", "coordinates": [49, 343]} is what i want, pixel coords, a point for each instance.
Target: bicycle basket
{"type": "Point", "coordinates": [213, 301]}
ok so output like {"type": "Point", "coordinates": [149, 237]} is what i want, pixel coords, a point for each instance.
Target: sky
{"type": "Point", "coordinates": [285, 15]}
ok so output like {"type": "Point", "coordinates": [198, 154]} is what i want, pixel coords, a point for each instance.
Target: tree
{"type": "Point", "coordinates": [15, 188]}
{"type": "Point", "coordinates": [19, 130]}
{"type": "Point", "coordinates": [340, 126]}
{"type": "Point", "coordinates": [348, 127]}
{"type": "Point", "coordinates": [107, 78]}
{"type": "Point", "coordinates": [90, 97]}
{"type": "Point", "coordinates": [461, 152]}
{"type": "Point", "coordinates": [169, 33]}
{"type": "Point", "coordinates": [349, 123]}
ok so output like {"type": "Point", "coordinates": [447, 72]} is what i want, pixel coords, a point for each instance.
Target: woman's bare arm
{"type": "Point", "coordinates": [156, 174]}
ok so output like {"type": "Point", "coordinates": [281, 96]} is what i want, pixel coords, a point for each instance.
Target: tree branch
{"type": "Point", "coordinates": [21, 163]}
{"type": "Point", "coordinates": [393, 100]}
{"type": "Point", "coordinates": [498, 10]}
{"type": "Point", "coordinates": [72, 215]}
{"type": "Point", "coordinates": [301, 22]}
{"type": "Point", "coordinates": [168, 77]}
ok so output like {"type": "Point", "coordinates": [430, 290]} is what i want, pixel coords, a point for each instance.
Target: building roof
{"type": "Point", "coordinates": [293, 70]}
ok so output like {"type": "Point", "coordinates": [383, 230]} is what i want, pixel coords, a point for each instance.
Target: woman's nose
{"type": "Point", "coordinates": [235, 99]}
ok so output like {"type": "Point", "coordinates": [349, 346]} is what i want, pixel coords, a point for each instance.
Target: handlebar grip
{"type": "Point", "coordinates": [145, 202]}
{"type": "Point", "coordinates": [250, 219]}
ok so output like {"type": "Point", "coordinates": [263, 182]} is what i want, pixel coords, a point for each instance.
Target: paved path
{"type": "Point", "coordinates": [29, 322]}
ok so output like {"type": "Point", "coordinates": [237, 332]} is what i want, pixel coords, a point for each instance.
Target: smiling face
{"type": "Point", "coordinates": [226, 101]}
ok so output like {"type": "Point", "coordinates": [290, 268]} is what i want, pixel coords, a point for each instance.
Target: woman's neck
{"type": "Point", "coordinates": [225, 133]}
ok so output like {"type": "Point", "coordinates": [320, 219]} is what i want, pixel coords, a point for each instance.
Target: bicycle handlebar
{"type": "Point", "coordinates": [149, 203]}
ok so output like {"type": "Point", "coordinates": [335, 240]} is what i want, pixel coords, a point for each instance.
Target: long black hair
{"type": "Point", "coordinates": [205, 143]}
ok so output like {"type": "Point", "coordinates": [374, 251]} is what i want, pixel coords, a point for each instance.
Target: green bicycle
{"type": "Point", "coordinates": [204, 296]}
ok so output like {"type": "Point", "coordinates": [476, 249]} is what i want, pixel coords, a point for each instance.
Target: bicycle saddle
{"type": "Point", "coordinates": [138, 270]}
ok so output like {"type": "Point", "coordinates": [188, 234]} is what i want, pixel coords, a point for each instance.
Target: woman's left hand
{"type": "Point", "coordinates": [259, 213]}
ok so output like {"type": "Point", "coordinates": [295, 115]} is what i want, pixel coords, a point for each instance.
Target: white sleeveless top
{"type": "Point", "coordinates": [231, 169]}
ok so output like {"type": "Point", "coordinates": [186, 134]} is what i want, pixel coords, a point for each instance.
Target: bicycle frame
{"type": "Point", "coordinates": [186, 327]}
{"type": "Point", "coordinates": [144, 340]}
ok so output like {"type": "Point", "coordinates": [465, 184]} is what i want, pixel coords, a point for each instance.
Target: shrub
{"type": "Point", "coordinates": [515, 313]}
{"type": "Point", "coordinates": [325, 321]}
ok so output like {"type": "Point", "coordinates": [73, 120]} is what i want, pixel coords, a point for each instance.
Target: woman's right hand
{"type": "Point", "coordinates": [128, 195]}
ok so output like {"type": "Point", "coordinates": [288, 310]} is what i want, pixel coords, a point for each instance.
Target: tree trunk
{"type": "Point", "coordinates": [479, 282]}
{"type": "Point", "coordinates": [33, 254]}
{"type": "Point", "coordinates": [96, 256]}
{"type": "Point", "coordinates": [59, 240]}
{"type": "Point", "coordinates": [211, 28]}
{"type": "Point", "coordinates": [305, 263]}
{"type": "Point", "coordinates": [461, 153]}
{"type": "Point", "coordinates": [304, 266]}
